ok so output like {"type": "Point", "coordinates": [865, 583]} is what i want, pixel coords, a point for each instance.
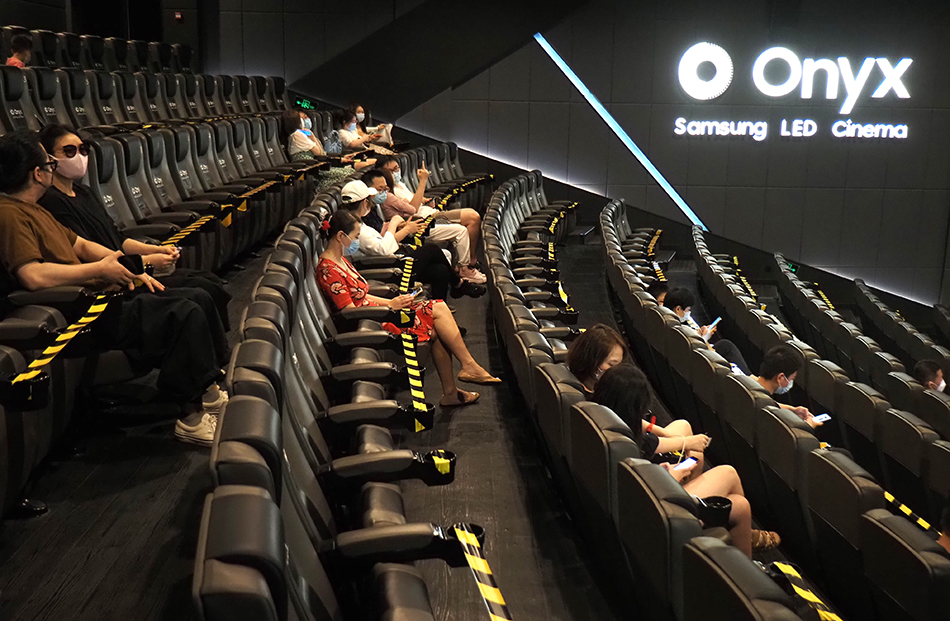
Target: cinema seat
{"type": "Point", "coordinates": [839, 493]}
{"type": "Point", "coordinates": [721, 584]}
{"type": "Point", "coordinates": [18, 110]}
{"type": "Point", "coordinates": [861, 411]}
{"type": "Point", "coordinates": [905, 443]}
{"type": "Point", "coordinates": [934, 408]}
{"type": "Point", "coordinates": [246, 550]}
{"type": "Point", "coordinates": [909, 572]}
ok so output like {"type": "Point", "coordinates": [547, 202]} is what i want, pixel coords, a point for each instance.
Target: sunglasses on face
{"type": "Point", "coordinates": [70, 150]}
{"type": "Point", "coordinates": [49, 166]}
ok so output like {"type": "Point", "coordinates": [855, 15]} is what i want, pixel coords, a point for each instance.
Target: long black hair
{"type": "Point", "coordinates": [590, 349]}
{"type": "Point", "coordinates": [20, 154]}
{"type": "Point", "coordinates": [342, 220]}
{"type": "Point", "coordinates": [625, 390]}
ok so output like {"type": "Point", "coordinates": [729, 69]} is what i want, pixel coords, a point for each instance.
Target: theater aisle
{"type": "Point", "coordinates": [531, 544]}
{"type": "Point", "coordinates": [120, 536]}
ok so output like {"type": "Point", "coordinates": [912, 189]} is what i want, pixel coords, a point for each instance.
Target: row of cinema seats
{"type": "Point", "coordinates": [55, 50]}
{"type": "Point", "coordinates": [307, 519]}
{"type": "Point", "coordinates": [35, 97]}
{"type": "Point", "coordinates": [894, 333]}
{"type": "Point", "coordinates": [652, 548]}
{"type": "Point", "coordinates": [833, 515]}
{"type": "Point", "coordinates": [893, 426]}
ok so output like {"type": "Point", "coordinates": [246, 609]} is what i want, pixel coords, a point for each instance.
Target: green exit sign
{"type": "Point", "coordinates": [305, 104]}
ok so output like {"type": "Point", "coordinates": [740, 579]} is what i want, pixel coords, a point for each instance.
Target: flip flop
{"type": "Point", "coordinates": [462, 400]}
{"type": "Point", "coordinates": [479, 379]}
{"type": "Point", "coordinates": [764, 540]}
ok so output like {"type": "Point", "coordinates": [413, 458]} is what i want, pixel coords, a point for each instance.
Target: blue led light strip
{"type": "Point", "coordinates": [613, 125]}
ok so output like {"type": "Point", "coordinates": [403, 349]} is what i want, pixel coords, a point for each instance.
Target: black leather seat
{"type": "Point", "coordinates": [46, 87]}
{"type": "Point", "coordinates": [18, 111]}
{"type": "Point", "coordinates": [839, 493]}
{"type": "Point", "coordinates": [934, 408]}
{"type": "Point", "coordinates": [910, 573]}
{"type": "Point", "coordinates": [905, 444]}
{"type": "Point", "coordinates": [721, 584]}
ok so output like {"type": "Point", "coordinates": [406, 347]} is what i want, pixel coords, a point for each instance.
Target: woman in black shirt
{"type": "Point", "coordinates": [77, 208]}
{"type": "Point", "coordinates": [625, 390]}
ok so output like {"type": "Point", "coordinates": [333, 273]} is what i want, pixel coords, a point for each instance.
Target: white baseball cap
{"type": "Point", "coordinates": [355, 191]}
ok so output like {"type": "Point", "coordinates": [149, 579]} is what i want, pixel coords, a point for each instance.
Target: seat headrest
{"type": "Point", "coordinates": [202, 139]}
{"type": "Point", "coordinates": [227, 85]}
{"type": "Point", "coordinates": [237, 133]}
{"type": "Point", "coordinates": [243, 85]}
{"type": "Point", "coordinates": [126, 83]}
{"type": "Point", "coordinates": [105, 83]}
{"type": "Point", "coordinates": [78, 83]}
{"type": "Point", "coordinates": [155, 145]}
{"type": "Point", "coordinates": [46, 83]}
{"type": "Point", "coordinates": [150, 80]}
{"type": "Point", "coordinates": [605, 419]}
{"type": "Point", "coordinates": [255, 423]}
{"type": "Point", "coordinates": [190, 82]}
{"type": "Point", "coordinates": [105, 159]}
{"type": "Point", "coordinates": [13, 83]}
{"type": "Point", "coordinates": [132, 146]}
{"type": "Point", "coordinates": [207, 83]}
{"type": "Point", "coordinates": [241, 529]}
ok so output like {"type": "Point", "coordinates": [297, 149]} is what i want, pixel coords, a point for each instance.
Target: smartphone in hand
{"type": "Point", "coordinates": [685, 464]}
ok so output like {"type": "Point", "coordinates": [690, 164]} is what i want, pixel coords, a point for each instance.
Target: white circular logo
{"type": "Point", "coordinates": [695, 86]}
{"type": "Point", "coordinates": [794, 71]}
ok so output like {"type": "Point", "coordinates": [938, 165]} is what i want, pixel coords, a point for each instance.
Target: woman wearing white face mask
{"type": "Point", "coordinates": [303, 145]}
{"type": "Point", "coordinates": [77, 208]}
{"type": "Point", "coordinates": [352, 139]}
{"type": "Point", "coordinates": [383, 129]}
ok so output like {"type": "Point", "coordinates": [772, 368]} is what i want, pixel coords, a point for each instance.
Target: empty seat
{"type": "Point", "coordinates": [18, 111]}
{"type": "Point", "coordinates": [934, 409]}
{"type": "Point", "coordinates": [46, 86]}
{"type": "Point", "coordinates": [910, 572]}
{"type": "Point", "coordinates": [905, 445]}
{"type": "Point", "coordinates": [93, 52]}
{"type": "Point", "coordinates": [861, 411]}
{"type": "Point", "coordinates": [70, 50]}
{"type": "Point", "coordinates": [116, 56]}
{"type": "Point", "coordinates": [46, 51]}
{"type": "Point", "coordinates": [721, 584]}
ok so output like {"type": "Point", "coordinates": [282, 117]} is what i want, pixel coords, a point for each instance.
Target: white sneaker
{"type": "Point", "coordinates": [473, 275]}
{"type": "Point", "coordinates": [218, 406]}
{"type": "Point", "coordinates": [201, 434]}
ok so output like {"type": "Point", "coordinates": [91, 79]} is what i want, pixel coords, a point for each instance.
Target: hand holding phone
{"type": "Point", "coordinates": [415, 291]}
{"type": "Point", "coordinates": [686, 464]}
{"type": "Point", "coordinates": [823, 418]}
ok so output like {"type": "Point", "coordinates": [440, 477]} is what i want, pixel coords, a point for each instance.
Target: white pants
{"type": "Point", "coordinates": [456, 234]}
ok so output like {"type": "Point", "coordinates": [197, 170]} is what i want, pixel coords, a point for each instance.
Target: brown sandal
{"type": "Point", "coordinates": [764, 540]}
{"type": "Point", "coordinates": [488, 378]}
{"type": "Point", "coordinates": [464, 398]}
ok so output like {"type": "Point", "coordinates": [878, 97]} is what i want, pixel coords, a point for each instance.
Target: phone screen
{"type": "Point", "coordinates": [713, 324]}
{"type": "Point", "coordinates": [416, 292]}
{"type": "Point", "coordinates": [686, 463]}
{"type": "Point", "coordinates": [823, 418]}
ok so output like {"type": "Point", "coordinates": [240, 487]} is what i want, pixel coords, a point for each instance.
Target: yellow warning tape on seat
{"type": "Point", "coordinates": [417, 238]}
{"type": "Point", "coordinates": [406, 275]}
{"type": "Point", "coordinates": [188, 230]}
{"type": "Point", "coordinates": [802, 590]}
{"type": "Point", "coordinates": [913, 517]}
{"type": "Point", "coordinates": [98, 306]}
{"type": "Point", "coordinates": [415, 374]}
{"type": "Point", "coordinates": [484, 578]}
{"type": "Point", "coordinates": [551, 256]}
{"type": "Point", "coordinates": [824, 297]}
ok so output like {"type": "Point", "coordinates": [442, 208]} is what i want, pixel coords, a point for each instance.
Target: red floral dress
{"type": "Point", "coordinates": [344, 289]}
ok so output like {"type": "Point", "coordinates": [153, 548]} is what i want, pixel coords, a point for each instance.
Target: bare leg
{"type": "Point", "coordinates": [473, 222]}
{"type": "Point", "coordinates": [724, 481]}
{"type": "Point", "coordinates": [448, 333]}
{"type": "Point", "coordinates": [740, 521]}
{"type": "Point", "coordinates": [443, 366]}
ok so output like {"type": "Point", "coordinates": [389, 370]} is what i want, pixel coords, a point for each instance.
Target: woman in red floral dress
{"type": "Point", "coordinates": [344, 286]}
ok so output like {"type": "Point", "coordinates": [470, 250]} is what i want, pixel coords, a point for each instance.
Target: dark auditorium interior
{"type": "Point", "coordinates": [431, 310]}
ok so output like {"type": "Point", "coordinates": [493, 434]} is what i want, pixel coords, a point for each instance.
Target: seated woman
{"type": "Point", "coordinates": [302, 145]}
{"type": "Point", "coordinates": [625, 390]}
{"type": "Point", "coordinates": [430, 265]}
{"type": "Point", "coordinates": [680, 300]}
{"type": "Point", "coordinates": [463, 236]}
{"type": "Point", "coordinates": [344, 286]}
{"type": "Point", "coordinates": [384, 130]}
{"type": "Point", "coordinates": [76, 207]}
{"type": "Point", "coordinates": [352, 138]}
{"type": "Point", "coordinates": [599, 349]}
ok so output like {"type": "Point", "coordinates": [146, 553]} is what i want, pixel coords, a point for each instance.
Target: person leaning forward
{"type": "Point", "coordinates": [170, 334]}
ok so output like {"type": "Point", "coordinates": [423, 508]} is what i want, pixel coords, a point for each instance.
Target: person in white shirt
{"type": "Point", "coordinates": [351, 137]}
{"type": "Point", "coordinates": [441, 233]}
{"type": "Point", "coordinates": [431, 266]}
{"type": "Point", "coordinates": [383, 129]}
{"type": "Point", "coordinates": [403, 202]}
{"type": "Point", "coordinates": [303, 145]}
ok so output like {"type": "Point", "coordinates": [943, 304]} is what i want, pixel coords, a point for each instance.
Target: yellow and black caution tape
{"type": "Point", "coordinates": [913, 517]}
{"type": "Point", "coordinates": [63, 339]}
{"type": "Point", "coordinates": [745, 281]}
{"type": "Point", "coordinates": [185, 232]}
{"type": "Point", "coordinates": [824, 297]}
{"type": "Point", "coordinates": [802, 590]}
{"type": "Point", "coordinates": [487, 587]}
{"type": "Point", "coordinates": [555, 220]}
{"type": "Point", "coordinates": [563, 295]}
{"type": "Point", "coordinates": [659, 272]}
{"type": "Point", "coordinates": [417, 238]}
{"type": "Point", "coordinates": [653, 242]}
{"type": "Point", "coordinates": [551, 256]}
{"type": "Point", "coordinates": [406, 280]}
{"type": "Point", "coordinates": [415, 373]}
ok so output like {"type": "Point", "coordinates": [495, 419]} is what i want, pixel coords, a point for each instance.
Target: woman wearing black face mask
{"type": "Point", "coordinates": [78, 209]}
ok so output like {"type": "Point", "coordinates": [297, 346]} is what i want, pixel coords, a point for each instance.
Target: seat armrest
{"type": "Point", "coordinates": [382, 314]}
{"type": "Point", "coordinates": [560, 332]}
{"type": "Point", "coordinates": [162, 230]}
{"type": "Point", "coordinates": [198, 208]}
{"type": "Point", "coordinates": [434, 468]}
{"type": "Point", "coordinates": [377, 339]}
{"type": "Point", "coordinates": [383, 413]}
{"type": "Point", "coordinates": [390, 261]}
{"type": "Point", "coordinates": [388, 275]}
{"type": "Point", "coordinates": [181, 218]}
{"type": "Point", "coordinates": [380, 372]}
{"type": "Point", "coordinates": [399, 543]}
